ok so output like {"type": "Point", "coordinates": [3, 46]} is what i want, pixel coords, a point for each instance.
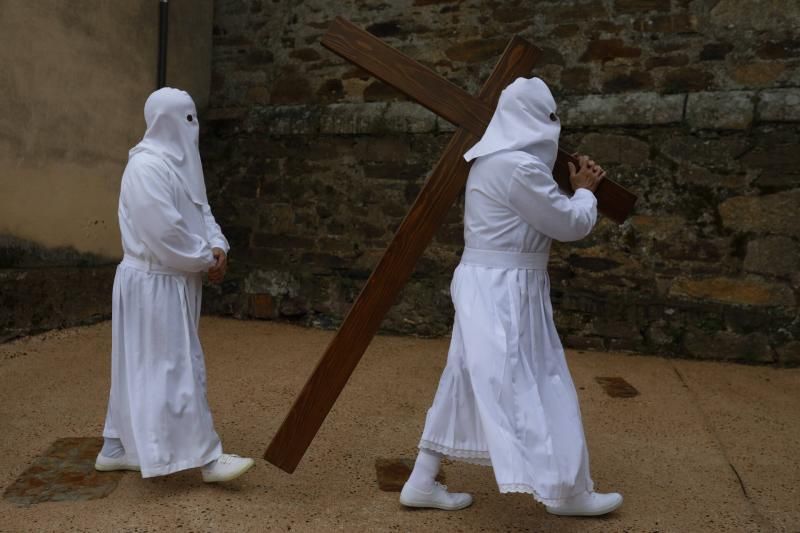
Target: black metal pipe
{"type": "Point", "coordinates": [163, 30]}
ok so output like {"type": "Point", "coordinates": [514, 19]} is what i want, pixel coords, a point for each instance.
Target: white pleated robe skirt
{"type": "Point", "coordinates": [506, 397]}
{"type": "Point", "coordinates": [158, 405]}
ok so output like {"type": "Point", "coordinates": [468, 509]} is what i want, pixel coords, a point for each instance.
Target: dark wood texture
{"type": "Point", "coordinates": [417, 81]}
{"type": "Point", "coordinates": [413, 236]}
{"type": "Point", "coordinates": [451, 102]}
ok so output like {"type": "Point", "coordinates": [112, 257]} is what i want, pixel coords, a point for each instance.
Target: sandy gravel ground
{"type": "Point", "coordinates": [704, 447]}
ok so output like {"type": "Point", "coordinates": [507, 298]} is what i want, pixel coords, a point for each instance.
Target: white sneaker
{"type": "Point", "coordinates": [437, 498]}
{"type": "Point", "coordinates": [588, 504]}
{"type": "Point", "coordinates": [108, 464]}
{"type": "Point", "coordinates": [227, 467]}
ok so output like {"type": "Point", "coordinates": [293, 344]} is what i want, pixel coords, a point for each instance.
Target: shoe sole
{"type": "Point", "coordinates": [599, 512]}
{"type": "Point", "coordinates": [231, 476]}
{"type": "Point", "coordinates": [428, 505]}
{"type": "Point", "coordinates": [112, 468]}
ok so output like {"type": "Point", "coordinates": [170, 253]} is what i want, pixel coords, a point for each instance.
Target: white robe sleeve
{"type": "Point", "coordinates": [535, 197]}
{"type": "Point", "coordinates": [148, 196]}
{"type": "Point", "coordinates": [215, 237]}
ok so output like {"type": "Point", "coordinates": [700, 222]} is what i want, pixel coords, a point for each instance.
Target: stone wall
{"type": "Point", "coordinates": [694, 105]}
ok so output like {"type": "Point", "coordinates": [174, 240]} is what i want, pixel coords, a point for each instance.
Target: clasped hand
{"type": "Point", "coordinates": [588, 176]}
{"type": "Point", "coordinates": [217, 272]}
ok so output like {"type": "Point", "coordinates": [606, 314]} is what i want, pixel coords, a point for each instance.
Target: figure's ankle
{"type": "Point", "coordinates": [112, 448]}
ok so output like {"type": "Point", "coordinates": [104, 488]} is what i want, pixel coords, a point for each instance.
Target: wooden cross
{"type": "Point", "coordinates": [440, 190]}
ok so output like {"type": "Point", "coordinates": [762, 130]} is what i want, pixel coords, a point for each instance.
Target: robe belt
{"type": "Point", "coordinates": [501, 259]}
{"type": "Point", "coordinates": [147, 266]}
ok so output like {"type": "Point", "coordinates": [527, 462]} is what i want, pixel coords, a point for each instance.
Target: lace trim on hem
{"type": "Point", "coordinates": [476, 457]}
{"type": "Point", "coordinates": [480, 457]}
{"type": "Point", "coordinates": [524, 488]}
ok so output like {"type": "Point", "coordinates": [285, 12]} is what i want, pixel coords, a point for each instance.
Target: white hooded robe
{"type": "Point", "coordinates": [506, 397]}
{"type": "Point", "coordinates": [157, 404]}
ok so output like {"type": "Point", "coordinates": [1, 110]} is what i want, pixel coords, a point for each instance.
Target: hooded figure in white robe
{"type": "Point", "coordinates": [158, 411]}
{"type": "Point", "coordinates": [506, 397]}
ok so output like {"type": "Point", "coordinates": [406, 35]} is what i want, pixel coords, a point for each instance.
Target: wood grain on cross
{"type": "Point", "coordinates": [426, 214]}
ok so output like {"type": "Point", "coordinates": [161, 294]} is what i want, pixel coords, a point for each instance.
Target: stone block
{"type": "Point", "coordinates": [715, 51]}
{"type": "Point", "coordinates": [687, 79]}
{"type": "Point", "coordinates": [576, 79]}
{"type": "Point", "coordinates": [635, 6]}
{"type": "Point", "coordinates": [628, 81]}
{"type": "Point", "coordinates": [304, 54]}
{"type": "Point", "coordinates": [678, 60]}
{"type": "Point", "coordinates": [615, 149]}
{"type": "Point", "coordinates": [730, 110]}
{"type": "Point", "coordinates": [697, 175]}
{"type": "Point", "coordinates": [778, 164]}
{"type": "Point", "coordinates": [789, 353]}
{"type": "Point", "coordinates": [292, 89]}
{"type": "Point", "coordinates": [680, 23]}
{"type": "Point", "coordinates": [331, 90]}
{"type": "Point", "coordinates": [574, 11]}
{"type": "Point", "coordinates": [383, 29]}
{"type": "Point", "coordinates": [779, 105]}
{"type": "Point", "coordinates": [728, 346]}
{"type": "Point", "coordinates": [286, 120]}
{"type": "Point", "coordinates": [583, 342]}
{"type": "Point", "coordinates": [739, 291]}
{"type": "Point", "coordinates": [785, 49]}
{"type": "Point", "coordinates": [376, 117]}
{"type": "Point", "coordinates": [646, 109]}
{"type": "Point", "coordinates": [272, 282]}
{"type": "Point", "coordinates": [759, 74]}
{"type": "Point", "coordinates": [776, 256]}
{"type": "Point", "coordinates": [377, 91]}
{"type": "Point", "coordinates": [293, 307]}
{"type": "Point", "coordinates": [352, 119]}
{"type": "Point", "coordinates": [609, 49]}
{"type": "Point", "coordinates": [566, 30]}
{"type": "Point", "coordinates": [262, 306]}
{"type": "Point", "coordinates": [476, 50]}
{"type": "Point", "coordinates": [409, 117]}
{"type": "Point", "coordinates": [771, 213]}
{"type": "Point", "coordinates": [765, 15]}
{"type": "Point", "coordinates": [714, 153]}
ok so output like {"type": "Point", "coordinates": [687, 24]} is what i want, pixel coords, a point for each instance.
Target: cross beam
{"type": "Point", "coordinates": [451, 102]}
{"type": "Point", "coordinates": [418, 227]}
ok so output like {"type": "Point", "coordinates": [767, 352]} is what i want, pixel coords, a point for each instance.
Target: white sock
{"type": "Point", "coordinates": [112, 448]}
{"type": "Point", "coordinates": [425, 470]}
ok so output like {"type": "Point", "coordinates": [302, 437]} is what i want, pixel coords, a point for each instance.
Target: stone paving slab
{"type": "Point", "coordinates": [64, 472]}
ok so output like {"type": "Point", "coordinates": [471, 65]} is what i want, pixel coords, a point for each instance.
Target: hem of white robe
{"type": "Point", "coordinates": [482, 457]}
{"type": "Point", "coordinates": [182, 465]}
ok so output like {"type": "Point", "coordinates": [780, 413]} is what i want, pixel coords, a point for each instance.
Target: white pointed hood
{"type": "Point", "coordinates": [525, 119]}
{"type": "Point", "coordinates": [173, 134]}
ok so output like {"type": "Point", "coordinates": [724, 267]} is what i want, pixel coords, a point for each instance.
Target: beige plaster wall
{"type": "Point", "coordinates": [74, 78]}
